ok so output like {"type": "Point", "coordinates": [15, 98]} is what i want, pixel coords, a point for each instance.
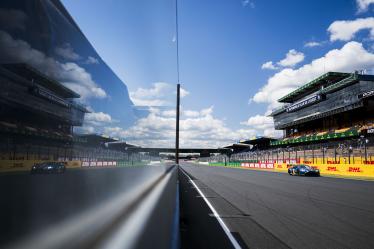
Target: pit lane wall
{"type": "Point", "coordinates": [327, 169]}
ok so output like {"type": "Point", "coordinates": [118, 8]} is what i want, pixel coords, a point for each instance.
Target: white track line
{"type": "Point", "coordinates": [220, 221]}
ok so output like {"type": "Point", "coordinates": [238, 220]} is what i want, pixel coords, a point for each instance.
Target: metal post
{"type": "Point", "coordinates": [177, 126]}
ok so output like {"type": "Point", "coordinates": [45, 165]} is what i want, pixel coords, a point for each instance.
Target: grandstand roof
{"type": "Point", "coordinates": [325, 79]}
{"type": "Point", "coordinates": [28, 72]}
{"type": "Point", "coordinates": [238, 147]}
{"type": "Point", "coordinates": [120, 145]}
{"type": "Point", "coordinates": [257, 140]}
{"type": "Point", "coordinates": [241, 145]}
{"type": "Point", "coordinates": [95, 139]}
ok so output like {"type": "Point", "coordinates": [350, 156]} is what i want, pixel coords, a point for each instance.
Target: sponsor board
{"type": "Point", "coordinates": [366, 94]}
{"type": "Point", "coordinates": [304, 103]}
{"type": "Point", "coordinates": [257, 165]}
{"type": "Point", "coordinates": [349, 170]}
{"type": "Point", "coordinates": [99, 163]}
{"type": "Point", "coordinates": [331, 168]}
{"type": "Point", "coordinates": [370, 131]}
{"type": "Point", "coordinates": [354, 169]}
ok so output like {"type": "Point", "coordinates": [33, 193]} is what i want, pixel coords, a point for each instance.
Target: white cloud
{"type": "Point", "coordinates": [98, 117]}
{"type": "Point", "coordinates": [92, 60]}
{"type": "Point", "coordinates": [312, 44]}
{"type": "Point", "coordinates": [183, 92]}
{"type": "Point", "coordinates": [268, 65]}
{"type": "Point", "coordinates": [363, 5]}
{"type": "Point", "coordinates": [249, 3]}
{"type": "Point", "coordinates": [169, 113]}
{"type": "Point", "coordinates": [346, 30]}
{"type": "Point", "coordinates": [188, 113]}
{"type": "Point", "coordinates": [95, 122]}
{"type": "Point", "coordinates": [84, 129]}
{"type": "Point", "coordinates": [67, 52]}
{"type": "Point", "coordinates": [263, 124]}
{"type": "Point", "coordinates": [69, 73]}
{"type": "Point", "coordinates": [197, 129]}
{"type": "Point", "coordinates": [79, 80]}
{"type": "Point", "coordinates": [160, 94]}
{"type": "Point", "coordinates": [258, 121]}
{"type": "Point", "coordinates": [192, 114]}
{"type": "Point", "coordinates": [350, 57]}
{"type": "Point", "coordinates": [293, 57]}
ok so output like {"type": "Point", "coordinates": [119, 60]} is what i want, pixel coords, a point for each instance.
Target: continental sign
{"type": "Point", "coordinates": [304, 103]}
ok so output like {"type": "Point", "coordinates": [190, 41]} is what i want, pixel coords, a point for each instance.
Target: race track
{"type": "Point", "coordinates": [275, 210]}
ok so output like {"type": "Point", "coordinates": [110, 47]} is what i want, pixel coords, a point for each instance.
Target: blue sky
{"type": "Point", "coordinates": [224, 45]}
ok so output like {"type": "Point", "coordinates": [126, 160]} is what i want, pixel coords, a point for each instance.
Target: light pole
{"type": "Point", "coordinates": [177, 126]}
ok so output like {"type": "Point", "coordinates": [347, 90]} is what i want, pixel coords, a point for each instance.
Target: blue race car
{"type": "Point", "coordinates": [48, 168]}
{"type": "Point", "coordinates": [303, 170]}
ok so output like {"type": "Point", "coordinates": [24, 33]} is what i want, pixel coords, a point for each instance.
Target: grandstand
{"type": "Point", "coordinates": [36, 105]}
{"type": "Point", "coordinates": [328, 121]}
{"type": "Point", "coordinates": [335, 106]}
{"type": "Point", "coordinates": [37, 116]}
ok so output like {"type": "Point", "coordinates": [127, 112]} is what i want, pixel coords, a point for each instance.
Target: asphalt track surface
{"type": "Point", "coordinates": [275, 210]}
{"type": "Point", "coordinates": [31, 203]}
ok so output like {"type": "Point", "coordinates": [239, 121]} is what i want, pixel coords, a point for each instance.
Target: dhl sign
{"type": "Point", "coordinates": [354, 169]}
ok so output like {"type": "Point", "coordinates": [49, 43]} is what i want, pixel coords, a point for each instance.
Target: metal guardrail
{"type": "Point", "coordinates": [124, 221]}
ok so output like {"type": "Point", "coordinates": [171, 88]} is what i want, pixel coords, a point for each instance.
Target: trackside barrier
{"type": "Point", "coordinates": [25, 165]}
{"type": "Point", "coordinates": [356, 170]}
{"type": "Point", "coordinates": [339, 170]}
{"type": "Point", "coordinates": [229, 164]}
{"type": "Point", "coordinates": [17, 165]}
